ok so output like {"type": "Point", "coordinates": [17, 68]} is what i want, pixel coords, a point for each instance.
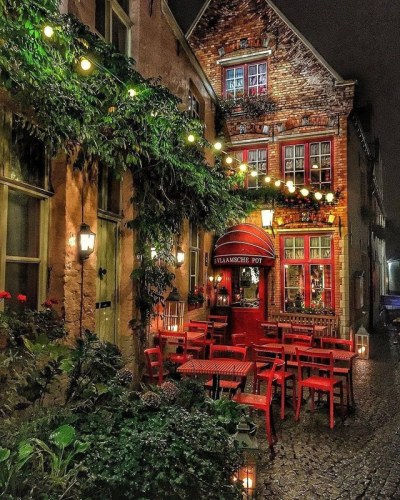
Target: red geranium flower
{"type": "Point", "coordinates": [21, 298]}
{"type": "Point", "coordinates": [5, 295]}
{"type": "Point", "coordinates": [47, 303]}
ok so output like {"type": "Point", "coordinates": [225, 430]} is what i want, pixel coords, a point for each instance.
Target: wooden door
{"type": "Point", "coordinates": [106, 281]}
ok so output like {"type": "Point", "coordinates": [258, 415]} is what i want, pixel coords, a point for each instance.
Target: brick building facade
{"type": "Point", "coordinates": [291, 118]}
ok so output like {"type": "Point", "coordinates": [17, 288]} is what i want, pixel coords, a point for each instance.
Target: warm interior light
{"type": "Point", "coordinates": [361, 350]}
{"type": "Point", "coordinates": [304, 191]}
{"type": "Point", "coordinates": [219, 278]}
{"type": "Point", "coordinates": [318, 195]}
{"type": "Point", "coordinates": [280, 221]}
{"type": "Point", "coordinates": [315, 166]}
{"type": "Point", "coordinates": [229, 160]}
{"type": "Point", "coordinates": [153, 253]}
{"type": "Point", "coordinates": [277, 183]}
{"type": "Point", "coordinates": [132, 92]}
{"type": "Point", "coordinates": [191, 138]}
{"type": "Point", "coordinates": [267, 179]}
{"type": "Point", "coordinates": [247, 483]}
{"type": "Point", "coordinates": [243, 167]}
{"type": "Point", "coordinates": [331, 218]}
{"type": "Point", "coordinates": [85, 64]}
{"type": "Point", "coordinates": [48, 31]}
{"type": "Point", "coordinates": [218, 146]}
{"type": "Point", "coordinates": [254, 173]}
{"type": "Point", "coordinates": [211, 279]}
{"type": "Point", "coordinates": [329, 197]}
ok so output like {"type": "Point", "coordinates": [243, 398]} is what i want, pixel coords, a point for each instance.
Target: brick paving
{"type": "Point", "coordinates": [360, 458]}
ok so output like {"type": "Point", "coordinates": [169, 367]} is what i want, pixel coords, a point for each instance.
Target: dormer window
{"type": "Point", "coordinates": [245, 80]}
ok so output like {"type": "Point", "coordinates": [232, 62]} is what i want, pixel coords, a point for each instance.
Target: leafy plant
{"type": "Point", "coordinates": [91, 367]}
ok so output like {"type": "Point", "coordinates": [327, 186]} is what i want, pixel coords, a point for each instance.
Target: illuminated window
{"type": "Point", "coordinates": [247, 79]}
{"type": "Point", "coordinates": [309, 163]}
{"type": "Point", "coordinates": [307, 270]}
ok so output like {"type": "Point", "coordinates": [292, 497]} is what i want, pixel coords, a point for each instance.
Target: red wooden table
{"type": "Point", "coordinates": [216, 367]}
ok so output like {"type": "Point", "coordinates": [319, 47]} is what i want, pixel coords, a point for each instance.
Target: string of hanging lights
{"type": "Point", "coordinates": [86, 65]}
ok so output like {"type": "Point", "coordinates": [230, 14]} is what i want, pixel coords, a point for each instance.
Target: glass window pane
{"type": "Point", "coordinates": [100, 17]}
{"type": "Point", "coordinates": [28, 158]}
{"type": "Point", "coordinates": [294, 287]}
{"type": "Point", "coordinates": [125, 5]}
{"type": "Point", "coordinates": [22, 225]}
{"type": "Point", "coordinates": [119, 34]}
{"type": "Point", "coordinates": [22, 279]}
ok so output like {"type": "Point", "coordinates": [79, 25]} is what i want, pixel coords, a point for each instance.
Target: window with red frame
{"type": "Point", "coordinates": [307, 270]}
{"type": "Point", "coordinates": [308, 163]}
{"type": "Point", "coordinates": [256, 161]}
{"type": "Point", "coordinates": [246, 79]}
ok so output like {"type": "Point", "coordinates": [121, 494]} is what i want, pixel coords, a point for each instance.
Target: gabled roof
{"type": "Point", "coordinates": [279, 13]}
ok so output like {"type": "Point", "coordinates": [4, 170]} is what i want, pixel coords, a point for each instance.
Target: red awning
{"type": "Point", "coordinates": [244, 245]}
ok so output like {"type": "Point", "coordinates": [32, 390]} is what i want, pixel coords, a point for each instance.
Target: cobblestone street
{"type": "Point", "coordinates": [360, 458]}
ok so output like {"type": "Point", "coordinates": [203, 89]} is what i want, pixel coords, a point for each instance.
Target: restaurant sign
{"type": "Point", "coordinates": [238, 260]}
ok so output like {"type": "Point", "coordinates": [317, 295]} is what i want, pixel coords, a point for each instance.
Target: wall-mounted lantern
{"type": "Point", "coordinates": [87, 240]}
{"type": "Point", "coordinates": [180, 256]}
{"type": "Point", "coordinates": [267, 218]}
{"type": "Point", "coordinates": [223, 297]}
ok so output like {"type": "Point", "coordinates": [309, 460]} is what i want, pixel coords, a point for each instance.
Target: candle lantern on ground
{"type": "Point", "coordinates": [174, 311]}
{"type": "Point", "coordinates": [362, 343]}
{"type": "Point", "coordinates": [247, 473]}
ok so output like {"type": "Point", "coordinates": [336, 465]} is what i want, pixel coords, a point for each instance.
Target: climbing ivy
{"type": "Point", "coordinates": [94, 118]}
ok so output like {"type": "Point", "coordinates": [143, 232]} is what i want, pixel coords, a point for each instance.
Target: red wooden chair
{"type": "Point", "coordinates": [219, 334]}
{"type": "Point", "coordinates": [317, 364]}
{"type": "Point", "coordinates": [264, 357]}
{"type": "Point", "coordinates": [347, 369]}
{"type": "Point", "coordinates": [155, 372]}
{"type": "Point", "coordinates": [178, 342]}
{"type": "Point", "coordinates": [197, 347]}
{"type": "Point", "coordinates": [263, 402]}
{"type": "Point", "coordinates": [239, 339]}
{"type": "Point", "coordinates": [268, 331]}
{"type": "Point", "coordinates": [230, 384]}
{"type": "Point", "coordinates": [302, 329]}
{"type": "Point", "coordinates": [296, 339]}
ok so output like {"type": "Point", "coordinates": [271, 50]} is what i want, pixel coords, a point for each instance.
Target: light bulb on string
{"type": "Point", "coordinates": [218, 146]}
{"type": "Point", "coordinates": [267, 179]}
{"type": "Point", "coordinates": [277, 183]}
{"type": "Point", "coordinates": [191, 138]}
{"type": "Point", "coordinates": [48, 31]}
{"type": "Point", "coordinates": [289, 184]}
{"type": "Point", "coordinates": [254, 173]}
{"type": "Point", "coordinates": [243, 167]}
{"type": "Point", "coordinates": [132, 92]}
{"type": "Point", "coordinates": [318, 195]}
{"type": "Point", "coordinates": [304, 191]}
{"type": "Point", "coordinates": [85, 65]}
{"type": "Point", "coordinates": [229, 160]}
{"type": "Point", "coordinates": [291, 189]}
{"type": "Point", "coordinates": [329, 197]}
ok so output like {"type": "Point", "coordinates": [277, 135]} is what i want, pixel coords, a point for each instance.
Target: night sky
{"type": "Point", "coordinates": [360, 39]}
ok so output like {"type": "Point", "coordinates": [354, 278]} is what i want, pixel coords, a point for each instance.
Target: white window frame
{"type": "Point", "coordinates": [112, 6]}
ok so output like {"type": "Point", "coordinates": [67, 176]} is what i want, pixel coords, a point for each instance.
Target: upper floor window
{"type": "Point", "coordinates": [194, 106]}
{"type": "Point", "coordinates": [245, 80]}
{"type": "Point", "coordinates": [307, 269]}
{"type": "Point", "coordinates": [308, 163]}
{"type": "Point", "coordinates": [256, 161]}
{"type": "Point", "coordinates": [194, 257]}
{"type": "Point", "coordinates": [109, 189]}
{"type": "Point", "coordinates": [113, 23]}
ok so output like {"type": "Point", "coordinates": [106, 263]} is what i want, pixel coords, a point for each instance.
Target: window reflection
{"type": "Point", "coordinates": [246, 282]}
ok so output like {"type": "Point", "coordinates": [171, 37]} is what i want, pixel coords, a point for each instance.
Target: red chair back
{"type": "Point", "coordinates": [268, 330]}
{"type": "Point", "coordinates": [303, 329]}
{"type": "Point", "coordinates": [267, 354]}
{"type": "Point", "coordinates": [154, 364]}
{"type": "Point", "coordinates": [297, 339]}
{"type": "Point", "coordinates": [319, 362]}
{"type": "Point", "coordinates": [334, 343]}
{"type": "Point", "coordinates": [239, 339]}
{"type": "Point", "coordinates": [176, 339]}
{"type": "Point", "coordinates": [228, 351]}
{"type": "Point", "coordinates": [218, 318]}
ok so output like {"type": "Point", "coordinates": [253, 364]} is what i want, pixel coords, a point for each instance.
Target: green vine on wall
{"type": "Point", "coordinates": [95, 118]}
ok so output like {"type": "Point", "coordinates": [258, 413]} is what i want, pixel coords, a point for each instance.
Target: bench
{"type": "Point", "coordinates": [331, 322]}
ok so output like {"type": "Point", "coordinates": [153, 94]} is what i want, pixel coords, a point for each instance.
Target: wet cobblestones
{"type": "Point", "coordinates": [358, 459]}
